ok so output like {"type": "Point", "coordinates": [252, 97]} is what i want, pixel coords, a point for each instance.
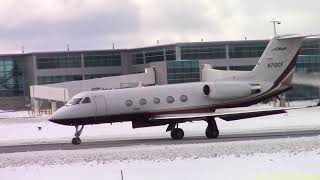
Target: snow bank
{"type": "Point", "coordinates": [221, 160]}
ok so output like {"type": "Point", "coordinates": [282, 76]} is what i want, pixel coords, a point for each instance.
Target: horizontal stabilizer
{"type": "Point", "coordinates": [293, 36]}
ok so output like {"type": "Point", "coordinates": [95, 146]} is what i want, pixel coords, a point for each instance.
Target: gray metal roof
{"type": "Point", "coordinates": [149, 47]}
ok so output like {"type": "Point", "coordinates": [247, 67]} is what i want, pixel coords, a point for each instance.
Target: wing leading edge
{"type": "Point", "coordinates": [228, 116]}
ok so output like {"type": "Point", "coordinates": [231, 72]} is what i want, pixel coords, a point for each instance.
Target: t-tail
{"type": "Point", "coordinates": [277, 63]}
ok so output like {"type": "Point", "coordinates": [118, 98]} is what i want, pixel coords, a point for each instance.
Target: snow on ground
{"type": "Point", "coordinates": [14, 114]}
{"type": "Point", "coordinates": [250, 159]}
{"type": "Point", "coordinates": [26, 131]}
{"type": "Point", "coordinates": [221, 160]}
{"type": "Point", "coordinates": [225, 168]}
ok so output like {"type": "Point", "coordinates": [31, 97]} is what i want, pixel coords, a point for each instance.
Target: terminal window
{"type": "Point", "coordinates": [11, 77]}
{"type": "Point", "coordinates": [102, 59]}
{"type": "Point", "coordinates": [308, 64]}
{"type": "Point", "coordinates": [183, 71]}
{"type": "Point", "coordinates": [54, 61]}
{"type": "Point", "coordinates": [246, 50]}
{"type": "Point", "coordinates": [203, 52]}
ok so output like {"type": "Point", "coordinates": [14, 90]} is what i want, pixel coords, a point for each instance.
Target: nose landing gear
{"type": "Point", "coordinates": [76, 140]}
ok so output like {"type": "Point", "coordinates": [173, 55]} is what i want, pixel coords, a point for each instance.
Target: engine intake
{"type": "Point", "coordinates": [206, 90]}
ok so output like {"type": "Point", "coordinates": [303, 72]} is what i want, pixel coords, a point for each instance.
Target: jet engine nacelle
{"type": "Point", "coordinates": [230, 90]}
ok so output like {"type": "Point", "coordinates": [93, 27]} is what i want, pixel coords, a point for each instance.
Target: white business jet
{"type": "Point", "coordinates": [180, 103]}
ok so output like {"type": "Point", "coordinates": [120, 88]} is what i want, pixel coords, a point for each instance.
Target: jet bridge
{"type": "Point", "coordinates": [62, 92]}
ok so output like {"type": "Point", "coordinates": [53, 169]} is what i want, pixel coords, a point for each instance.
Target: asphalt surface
{"type": "Point", "coordinates": [156, 141]}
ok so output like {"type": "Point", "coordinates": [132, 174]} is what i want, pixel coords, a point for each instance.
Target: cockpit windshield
{"type": "Point", "coordinates": [86, 100]}
{"type": "Point", "coordinates": [74, 101]}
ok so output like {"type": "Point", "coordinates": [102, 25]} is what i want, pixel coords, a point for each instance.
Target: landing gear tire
{"type": "Point", "coordinates": [76, 140]}
{"type": "Point", "coordinates": [212, 134]}
{"type": "Point", "coordinates": [212, 131]}
{"type": "Point", "coordinates": [177, 133]}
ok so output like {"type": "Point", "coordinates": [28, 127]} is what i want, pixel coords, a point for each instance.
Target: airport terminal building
{"type": "Point", "coordinates": [173, 63]}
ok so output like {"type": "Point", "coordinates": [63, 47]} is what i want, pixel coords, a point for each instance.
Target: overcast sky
{"type": "Point", "coordinates": [48, 25]}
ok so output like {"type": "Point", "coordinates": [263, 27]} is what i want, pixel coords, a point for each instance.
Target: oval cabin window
{"type": "Point", "coordinates": [143, 101]}
{"type": "Point", "coordinates": [183, 98]}
{"type": "Point", "coordinates": [156, 100]}
{"type": "Point", "coordinates": [170, 99]}
{"type": "Point", "coordinates": [129, 102]}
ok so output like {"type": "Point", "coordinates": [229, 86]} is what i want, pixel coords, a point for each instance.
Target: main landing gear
{"type": "Point", "coordinates": [176, 132]}
{"type": "Point", "coordinates": [212, 130]}
{"type": "Point", "coordinates": [76, 140]}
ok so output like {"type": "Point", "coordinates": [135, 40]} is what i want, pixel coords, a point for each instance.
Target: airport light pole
{"type": "Point", "coordinates": [274, 26]}
{"type": "Point", "coordinates": [68, 45]}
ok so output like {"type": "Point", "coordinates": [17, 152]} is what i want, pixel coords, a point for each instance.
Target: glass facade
{"type": "Point", "coordinates": [183, 71]}
{"type": "Point", "coordinates": [93, 76]}
{"type": "Point", "coordinates": [154, 55]}
{"type": "Point", "coordinates": [57, 79]}
{"type": "Point", "coordinates": [246, 50]}
{"type": "Point", "coordinates": [170, 54]}
{"type": "Point", "coordinates": [96, 59]}
{"type": "Point", "coordinates": [310, 47]}
{"type": "Point", "coordinates": [308, 64]}
{"type": "Point", "coordinates": [54, 61]}
{"type": "Point", "coordinates": [11, 77]}
{"type": "Point", "coordinates": [242, 68]}
{"type": "Point", "coordinates": [303, 92]}
{"type": "Point", "coordinates": [137, 58]}
{"type": "Point", "coordinates": [203, 51]}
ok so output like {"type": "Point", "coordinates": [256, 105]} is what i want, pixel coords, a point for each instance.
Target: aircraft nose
{"type": "Point", "coordinates": [53, 118]}
{"type": "Point", "coordinates": [57, 117]}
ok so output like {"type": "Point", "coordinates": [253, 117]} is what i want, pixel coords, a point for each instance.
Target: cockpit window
{"type": "Point", "coordinates": [86, 100]}
{"type": "Point", "coordinates": [74, 101]}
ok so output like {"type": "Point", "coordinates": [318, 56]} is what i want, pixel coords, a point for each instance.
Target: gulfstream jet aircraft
{"type": "Point", "coordinates": [179, 103]}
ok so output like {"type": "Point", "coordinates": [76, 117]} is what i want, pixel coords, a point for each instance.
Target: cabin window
{"type": "Point", "coordinates": [143, 101]}
{"type": "Point", "coordinates": [129, 102]}
{"type": "Point", "coordinates": [170, 99]}
{"type": "Point", "coordinates": [86, 100]}
{"type": "Point", "coordinates": [74, 101]}
{"type": "Point", "coordinates": [183, 98]}
{"type": "Point", "coordinates": [156, 100]}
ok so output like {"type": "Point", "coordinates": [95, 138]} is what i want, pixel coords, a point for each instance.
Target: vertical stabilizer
{"type": "Point", "coordinates": [279, 59]}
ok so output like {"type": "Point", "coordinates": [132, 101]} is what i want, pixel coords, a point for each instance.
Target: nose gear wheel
{"type": "Point", "coordinates": [76, 140]}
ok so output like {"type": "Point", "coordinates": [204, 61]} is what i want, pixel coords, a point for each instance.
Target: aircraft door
{"type": "Point", "coordinates": [101, 107]}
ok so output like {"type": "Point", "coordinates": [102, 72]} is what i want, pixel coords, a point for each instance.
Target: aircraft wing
{"type": "Point", "coordinates": [228, 115]}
